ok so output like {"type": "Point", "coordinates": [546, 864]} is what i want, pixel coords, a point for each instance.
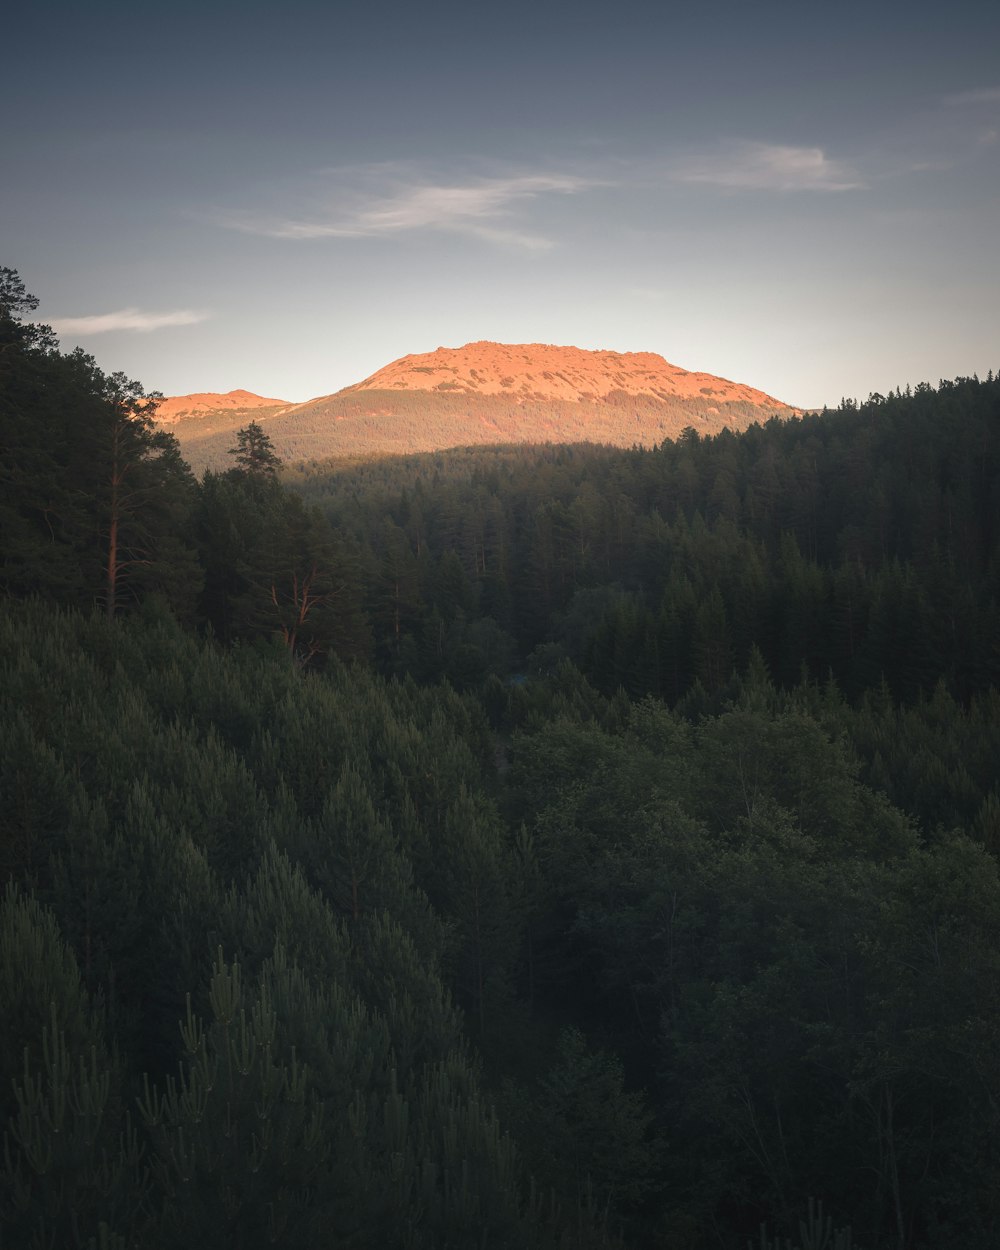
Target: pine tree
{"type": "Point", "coordinates": [254, 453]}
{"type": "Point", "coordinates": [94, 498]}
{"type": "Point", "coordinates": [237, 1137]}
{"type": "Point", "coordinates": [72, 1167]}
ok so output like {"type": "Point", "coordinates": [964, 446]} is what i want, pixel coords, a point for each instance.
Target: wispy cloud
{"type": "Point", "coordinates": [484, 208]}
{"type": "Point", "coordinates": [982, 95]}
{"type": "Point", "coordinates": [769, 167]}
{"type": "Point", "coordinates": [127, 319]}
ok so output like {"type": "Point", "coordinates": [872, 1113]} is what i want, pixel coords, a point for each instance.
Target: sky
{"type": "Point", "coordinates": [803, 197]}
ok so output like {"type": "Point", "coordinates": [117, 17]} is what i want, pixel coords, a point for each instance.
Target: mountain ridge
{"type": "Point", "coordinates": [481, 393]}
{"type": "Point", "coordinates": [569, 373]}
{"type": "Point", "coordinates": [174, 408]}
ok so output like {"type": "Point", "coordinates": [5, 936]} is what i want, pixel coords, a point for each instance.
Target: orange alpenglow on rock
{"type": "Point", "coordinates": [543, 371]}
{"type": "Point", "coordinates": [207, 403]}
{"type": "Point", "coordinates": [481, 394]}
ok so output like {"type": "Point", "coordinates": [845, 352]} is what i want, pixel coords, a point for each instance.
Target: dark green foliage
{"type": "Point", "coordinates": [38, 976]}
{"type": "Point", "coordinates": [254, 453]}
{"type": "Point", "coordinates": [816, 1232]}
{"type": "Point", "coordinates": [657, 810]}
{"type": "Point", "coordinates": [237, 1137]}
{"type": "Point", "coordinates": [859, 542]}
{"type": "Point", "coordinates": [72, 1162]}
{"type": "Point", "coordinates": [342, 1019]}
{"type": "Point", "coordinates": [586, 1134]}
{"type": "Point", "coordinates": [712, 897]}
{"type": "Point", "coordinates": [95, 500]}
{"type": "Point", "coordinates": [275, 569]}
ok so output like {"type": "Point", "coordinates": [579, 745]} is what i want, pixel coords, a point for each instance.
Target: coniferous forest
{"type": "Point", "coordinates": [541, 847]}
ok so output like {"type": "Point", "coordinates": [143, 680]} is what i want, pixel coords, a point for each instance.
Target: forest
{"type": "Point", "coordinates": [538, 847]}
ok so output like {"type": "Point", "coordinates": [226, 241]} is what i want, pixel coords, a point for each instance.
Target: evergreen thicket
{"type": "Point", "coordinates": [557, 847]}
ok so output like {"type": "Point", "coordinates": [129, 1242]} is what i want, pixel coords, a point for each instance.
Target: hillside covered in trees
{"type": "Point", "coordinates": [564, 847]}
{"type": "Point", "coordinates": [486, 394]}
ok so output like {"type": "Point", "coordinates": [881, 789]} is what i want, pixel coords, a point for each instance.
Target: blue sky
{"type": "Point", "coordinates": [802, 197]}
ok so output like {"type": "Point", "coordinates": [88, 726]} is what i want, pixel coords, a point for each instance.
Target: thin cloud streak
{"type": "Point", "coordinates": [133, 319]}
{"type": "Point", "coordinates": [769, 167]}
{"type": "Point", "coordinates": [984, 95]}
{"type": "Point", "coordinates": [473, 208]}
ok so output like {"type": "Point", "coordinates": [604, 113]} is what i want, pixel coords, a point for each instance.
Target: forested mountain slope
{"type": "Point", "coordinates": [861, 542]}
{"type": "Point", "coordinates": [494, 393]}
{"type": "Point", "coordinates": [544, 848]}
{"type": "Point", "coordinates": [315, 879]}
{"type": "Point", "coordinates": [194, 416]}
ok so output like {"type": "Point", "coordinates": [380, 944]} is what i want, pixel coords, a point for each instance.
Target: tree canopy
{"type": "Point", "coordinates": [547, 849]}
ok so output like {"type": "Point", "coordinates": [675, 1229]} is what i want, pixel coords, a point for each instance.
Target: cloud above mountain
{"type": "Point", "coordinates": [750, 166]}
{"type": "Point", "coordinates": [486, 208]}
{"type": "Point", "coordinates": [500, 208]}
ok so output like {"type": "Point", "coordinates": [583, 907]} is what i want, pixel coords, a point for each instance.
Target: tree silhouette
{"type": "Point", "coordinates": [254, 452]}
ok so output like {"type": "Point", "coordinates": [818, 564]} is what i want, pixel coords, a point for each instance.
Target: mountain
{"type": "Point", "coordinates": [190, 416]}
{"type": "Point", "coordinates": [482, 393]}
{"type": "Point", "coordinates": [539, 371]}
